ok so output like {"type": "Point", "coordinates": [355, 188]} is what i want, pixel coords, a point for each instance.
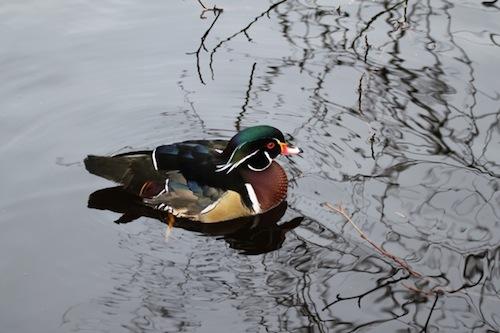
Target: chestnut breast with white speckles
{"type": "Point", "coordinates": [270, 185]}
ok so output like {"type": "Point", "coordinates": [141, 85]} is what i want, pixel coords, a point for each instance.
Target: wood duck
{"type": "Point", "coordinates": [205, 180]}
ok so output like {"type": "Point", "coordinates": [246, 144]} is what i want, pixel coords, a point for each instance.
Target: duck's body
{"type": "Point", "coordinates": [204, 180]}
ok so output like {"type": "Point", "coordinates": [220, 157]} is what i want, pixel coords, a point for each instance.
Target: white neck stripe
{"type": "Point", "coordinates": [253, 198]}
{"type": "Point", "coordinates": [153, 157]}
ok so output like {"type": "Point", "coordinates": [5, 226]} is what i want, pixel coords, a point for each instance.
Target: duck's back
{"type": "Point", "coordinates": [179, 178]}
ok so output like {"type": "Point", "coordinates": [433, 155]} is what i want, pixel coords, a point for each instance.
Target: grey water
{"type": "Point", "coordinates": [396, 105]}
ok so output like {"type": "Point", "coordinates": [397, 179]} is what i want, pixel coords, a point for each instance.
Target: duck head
{"type": "Point", "coordinates": [255, 148]}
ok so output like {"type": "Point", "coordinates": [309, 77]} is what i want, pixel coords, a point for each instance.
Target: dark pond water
{"type": "Point", "coordinates": [397, 108]}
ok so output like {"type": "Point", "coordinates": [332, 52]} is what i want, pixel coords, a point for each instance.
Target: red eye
{"type": "Point", "coordinates": [270, 145]}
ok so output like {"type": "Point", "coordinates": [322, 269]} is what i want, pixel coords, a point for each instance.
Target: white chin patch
{"type": "Point", "coordinates": [269, 160]}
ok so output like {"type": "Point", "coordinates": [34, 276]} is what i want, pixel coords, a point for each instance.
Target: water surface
{"type": "Point", "coordinates": [395, 104]}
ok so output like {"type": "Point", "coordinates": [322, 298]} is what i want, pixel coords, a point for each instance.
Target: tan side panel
{"type": "Point", "coordinates": [230, 206]}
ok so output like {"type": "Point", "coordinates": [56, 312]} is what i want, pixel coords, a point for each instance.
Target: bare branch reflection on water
{"type": "Point", "coordinates": [398, 113]}
{"type": "Point", "coordinates": [217, 12]}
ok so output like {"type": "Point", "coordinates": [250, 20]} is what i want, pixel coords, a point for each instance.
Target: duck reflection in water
{"type": "Point", "coordinates": [250, 235]}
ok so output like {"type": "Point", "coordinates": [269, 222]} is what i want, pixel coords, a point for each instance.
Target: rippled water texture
{"type": "Point", "coordinates": [396, 105]}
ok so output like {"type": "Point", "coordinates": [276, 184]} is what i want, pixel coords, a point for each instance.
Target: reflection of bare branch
{"type": "Point", "coordinates": [206, 9]}
{"type": "Point", "coordinates": [217, 12]}
{"type": "Point", "coordinates": [247, 99]}
{"type": "Point", "coordinates": [490, 3]}
{"type": "Point", "coordinates": [201, 4]}
{"type": "Point", "coordinates": [373, 19]}
{"type": "Point", "coordinates": [309, 308]}
{"type": "Point", "coordinates": [424, 329]}
{"type": "Point", "coordinates": [242, 31]}
{"type": "Point", "coordinates": [360, 94]}
{"type": "Point", "coordinates": [360, 296]}
{"type": "Point", "coordinates": [360, 107]}
{"type": "Point", "coordinates": [405, 13]}
{"type": "Point", "coordinates": [192, 107]}
{"type": "Point", "coordinates": [422, 123]}
{"type": "Point", "coordinates": [367, 48]}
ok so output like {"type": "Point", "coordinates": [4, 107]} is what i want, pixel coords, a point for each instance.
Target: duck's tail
{"type": "Point", "coordinates": [123, 169]}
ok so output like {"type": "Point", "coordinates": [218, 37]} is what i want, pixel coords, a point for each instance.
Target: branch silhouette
{"type": "Point", "coordinates": [217, 13]}
{"type": "Point", "coordinates": [247, 99]}
{"type": "Point", "coordinates": [360, 296]}
{"type": "Point", "coordinates": [243, 31]}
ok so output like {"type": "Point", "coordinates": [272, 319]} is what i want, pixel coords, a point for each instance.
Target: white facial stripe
{"type": "Point", "coordinates": [264, 168]}
{"type": "Point", "coordinates": [228, 164]}
{"type": "Point", "coordinates": [153, 157]}
{"type": "Point", "coordinates": [166, 185]}
{"type": "Point", "coordinates": [223, 167]}
{"type": "Point", "coordinates": [253, 198]}
{"type": "Point", "coordinates": [242, 160]}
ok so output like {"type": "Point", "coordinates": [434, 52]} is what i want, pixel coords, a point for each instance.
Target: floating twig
{"type": "Point", "coordinates": [341, 210]}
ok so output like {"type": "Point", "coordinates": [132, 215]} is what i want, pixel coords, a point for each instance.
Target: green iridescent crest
{"type": "Point", "coordinates": [246, 144]}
